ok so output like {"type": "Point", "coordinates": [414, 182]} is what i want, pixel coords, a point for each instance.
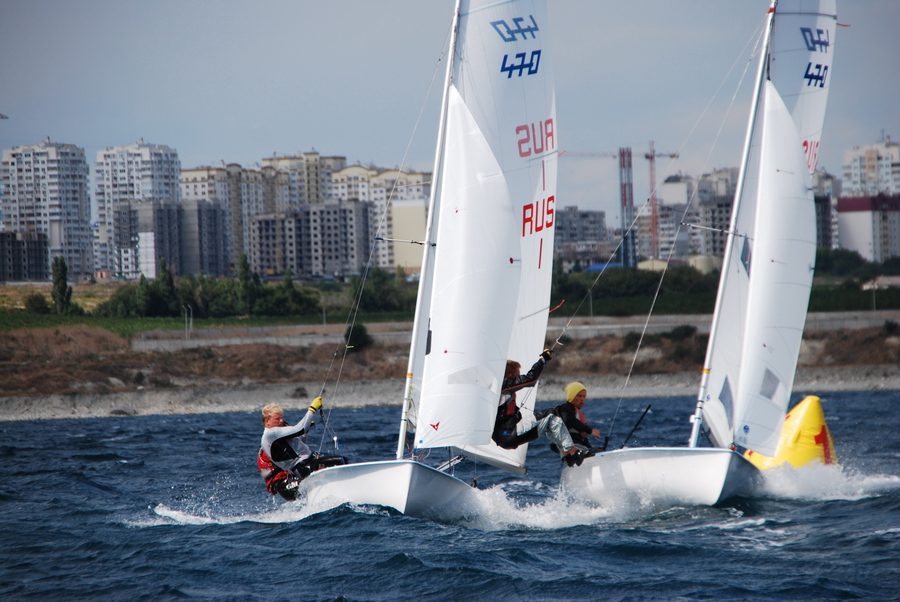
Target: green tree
{"type": "Point", "coordinates": [247, 286]}
{"type": "Point", "coordinates": [62, 292]}
{"type": "Point", "coordinates": [167, 303]}
{"type": "Point", "coordinates": [385, 291]}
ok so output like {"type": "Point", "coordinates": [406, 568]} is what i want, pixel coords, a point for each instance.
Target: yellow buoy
{"type": "Point", "coordinates": [804, 438]}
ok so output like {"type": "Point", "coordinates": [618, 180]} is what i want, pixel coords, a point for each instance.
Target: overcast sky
{"type": "Point", "coordinates": [238, 81]}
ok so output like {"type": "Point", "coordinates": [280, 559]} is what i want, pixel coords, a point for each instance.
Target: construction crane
{"type": "Point", "coordinates": [654, 220]}
{"type": "Point", "coordinates": [626, 196]}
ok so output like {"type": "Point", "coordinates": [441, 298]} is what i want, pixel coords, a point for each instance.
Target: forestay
{"type": "Point", "coordinates": [493, 222]}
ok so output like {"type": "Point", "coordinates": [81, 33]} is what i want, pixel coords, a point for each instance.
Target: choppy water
{"type": "Point", "coordinates": [172, 507]}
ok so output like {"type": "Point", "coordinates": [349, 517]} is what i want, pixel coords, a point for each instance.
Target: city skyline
{"type": "Point", "coordinates": [235, 82]}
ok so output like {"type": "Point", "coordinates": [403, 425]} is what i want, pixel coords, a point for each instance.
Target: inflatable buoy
{"type": "Point", "coordinates": [805, 438]}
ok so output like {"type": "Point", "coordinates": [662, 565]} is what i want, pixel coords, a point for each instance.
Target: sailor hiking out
{"type": "Point", "coordinates": [511, 431]}
{"type": "Point", "coordinates": [284, 458]}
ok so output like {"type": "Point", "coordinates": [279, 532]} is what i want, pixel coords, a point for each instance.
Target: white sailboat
{"type": "Point", "coordinates": [764, 290]}
{"type": "Point", "coordinates": [484, 288]}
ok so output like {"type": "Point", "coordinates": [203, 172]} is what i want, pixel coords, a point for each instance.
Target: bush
{"type": "Point", "coordinates": [680, 333]}
{"type": "Point", "coordinates": [37, 303]}
{"type": "Point", "coordinates": [358, 337]}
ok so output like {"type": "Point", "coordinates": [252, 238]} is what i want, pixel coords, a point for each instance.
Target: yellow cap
{"type": "Point", "coordinates": [573, 389]}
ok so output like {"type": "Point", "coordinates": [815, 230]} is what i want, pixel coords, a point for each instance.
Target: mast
{"type": "Point", "coordinates": [697, 418]}
{"type": "Point", "coordinates": [423, 296]}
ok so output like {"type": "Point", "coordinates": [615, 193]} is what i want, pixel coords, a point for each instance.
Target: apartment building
{"type": "Point", "coordinates": [870, 226]}
{"type": "Point", "coordinates": [24, 257]}
{"type": "Point", "coordinates": [872, 169]}
{"type": "Point", "coordinates": [399, 210]}
{"type": "Point", "coordinates": [146, 231]}
{"type": "Point", "coordinates": [46, 191]}
{"type": "Point", "coordinates": [580, 237]}
{"type": "Point", "coordinates": [326, 239]}
{"type": "Point", "coordinates": [132, 173]}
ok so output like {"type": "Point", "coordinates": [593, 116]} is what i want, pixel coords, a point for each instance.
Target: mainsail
{"type": "Point", "coordinates": [493, 217]}
{"type": "Point", "coordinates": [770, 256]}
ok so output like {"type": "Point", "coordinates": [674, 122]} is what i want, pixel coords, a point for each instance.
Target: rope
{"type": "Point", "coordinates": [350, 322]}
{"type": "Point", "coordinates": [757, 35]}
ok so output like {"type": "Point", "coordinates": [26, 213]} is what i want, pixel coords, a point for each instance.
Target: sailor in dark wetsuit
{"type": "Point", "coordinates": [574, 419]}
{"type": "Point", "coordinates": [510, 431]}
{"type": "Point", "coordinates": [284, 459]}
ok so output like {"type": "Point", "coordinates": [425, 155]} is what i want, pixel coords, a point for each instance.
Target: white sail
{"type": "Point", "coordinates": [763, 295]}
{"type": "Point", "coordinates": [494, 225]}
{"type": "Point", "coordinates": [783, 256]}
{"type": "Point", "coordinates": [760, 312]}
{"type": "Point", "coordinates": [485, 281]}
{"type": "Point", "coordinates": [802, 43]}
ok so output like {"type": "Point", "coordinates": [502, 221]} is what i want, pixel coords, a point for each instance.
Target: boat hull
{"type": "Point", "coordinates": [410, 487]}
{"type": "Point", "coordinates": [661, 476]}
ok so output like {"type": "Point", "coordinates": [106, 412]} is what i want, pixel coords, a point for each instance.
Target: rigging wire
{"type": "Point", "coordinates": [757, 36]}
{"type": "Point", "coordinates": [352, 315]}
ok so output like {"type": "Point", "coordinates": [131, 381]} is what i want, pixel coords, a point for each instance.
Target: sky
{"type": "Point", "coordinates": [237, 81]}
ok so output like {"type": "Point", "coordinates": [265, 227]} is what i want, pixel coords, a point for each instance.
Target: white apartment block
{"type": "Point", "coordinates": [45, 190]}
{"type": "Point", "coordinates": [136, 172]}
{"type": "Point", "coordinates": [872, 169]}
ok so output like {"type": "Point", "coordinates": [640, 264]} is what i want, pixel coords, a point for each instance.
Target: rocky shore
{"type": "Point", "coordinates": [356, 394]}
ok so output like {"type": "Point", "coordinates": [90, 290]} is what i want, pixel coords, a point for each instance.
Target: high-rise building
{"type": "Point", "coordinates": [23, 257]}
{"type": "Point", "coordinates": [136, 172]}
{"type": "Point", "coordinates": [46, 191]}
{"type": "Point", "coordinates": [580, 237]}
{"type": "Point", "coordinates": [870, 226]}
{"type": "Point", "coordinates": [203, 235]}
{"type": "Point", "coordinates": [398, 207]}
{"type": "Point", "coordinates": [330, 238]}
{"type": "Point", "coordinates": [239, 192]}
{"type": "Point", "coordinates": [872, 169]}
{"type": "Point", "coordinates": [299, 179]}
{"type": "Point", "coordinates": [826, 190]}
{"type": "Point", "coordinates": [145, 232]}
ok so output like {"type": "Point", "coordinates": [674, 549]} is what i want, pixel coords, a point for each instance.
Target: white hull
{"type": "Point", "coordinates": [407, 486]}
{"type": "Point", "coordinates": [661, 476]}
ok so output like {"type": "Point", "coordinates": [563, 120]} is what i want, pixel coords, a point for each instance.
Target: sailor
{"type": "Point", "coordinates": [284, 459]}
{"type": "Point", "coordinates": [510, 431]}
{"type": "Point", "coordinates": [574, 419]}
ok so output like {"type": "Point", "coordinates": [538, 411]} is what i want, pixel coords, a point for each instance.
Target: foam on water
{"type": "Point", "coordinates": [819, 482]}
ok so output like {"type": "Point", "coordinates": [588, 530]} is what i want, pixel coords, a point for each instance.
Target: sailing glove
{"type": "Point", "coordinates": [316, 405]}
{"type": "Point", "coordinates": [546, 355]}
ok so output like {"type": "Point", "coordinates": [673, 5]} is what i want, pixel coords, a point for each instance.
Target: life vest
{"type": "Point", "coordinates": [270, 473]}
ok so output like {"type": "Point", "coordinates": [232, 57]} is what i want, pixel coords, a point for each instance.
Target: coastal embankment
{"type": "Point", "coordinates": [357, 394]}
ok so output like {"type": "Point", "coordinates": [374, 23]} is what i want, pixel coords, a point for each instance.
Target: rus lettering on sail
{"type": "Point", "coordinates": [536, 138]}
{"type": "Point", "coordinates": [811, 150]}
{"type": "Point", "coordinates": [537, 216]}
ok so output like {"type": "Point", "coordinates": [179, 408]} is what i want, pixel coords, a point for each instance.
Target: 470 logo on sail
{"type": "Point", "coordinates": [522, 62]}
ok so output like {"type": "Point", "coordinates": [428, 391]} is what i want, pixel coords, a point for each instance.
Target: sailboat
{"type": "Point", "coordinates": [763, 292]}
{"type": "Point", "coordinates": [484, 286]}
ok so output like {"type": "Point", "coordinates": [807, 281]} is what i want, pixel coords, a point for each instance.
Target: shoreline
{"type": "Point", "coordinates": [360, 394]}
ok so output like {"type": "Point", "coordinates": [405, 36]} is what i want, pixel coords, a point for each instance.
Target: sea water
{"type": "Point", "coordinates": [172, 507]}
